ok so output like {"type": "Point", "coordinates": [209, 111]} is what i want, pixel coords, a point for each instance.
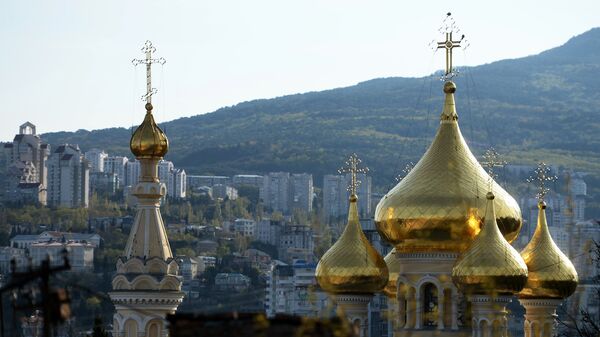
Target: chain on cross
{"type": "Point", "coordinates": [541, 175]}
{"type": "Point", "coordinates": [148, 49]}
{"type": "Point", "coordinates": [405, 171]}
{"type": "Point", "coordinates": [491, 161]}
{"type": "Point", "coordinates": [449, 27]}
{"type": "Point", "coordinates": [352, 168]}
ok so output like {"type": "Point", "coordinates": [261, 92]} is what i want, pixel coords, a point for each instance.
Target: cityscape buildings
{"type": "Point", "coordinates": [453, 264]}
{"type": "Point", "coordinates": [118, 166]}
{"type": "Point", "coordinates": [292, 289]}
{"type": "Point", "coordinates": [335, 196]}
{"type": "Point", "coordinates": [68, 178]}
{"type": "Point", "coordinates": [96, 158]}
{"type": "Point", "coordinates": [26, 170]}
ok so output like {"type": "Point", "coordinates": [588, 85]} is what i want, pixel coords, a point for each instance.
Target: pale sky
{"type": "Point", "coordinates": [66, 65]}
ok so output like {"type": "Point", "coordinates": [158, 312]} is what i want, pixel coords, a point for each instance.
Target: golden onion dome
{"type": "Point", "coordinates": [490, 265]}
{"type": "Point", "coordinates": [352, 265]}
{"type": "Point", "coordinates": [551, 273]}
{"type": "Point", "coordinates": [438, 205]}
{"type": "Point", "coordinates": [393, 265]}
{"type": "Point", "coordinates": [148, 140]}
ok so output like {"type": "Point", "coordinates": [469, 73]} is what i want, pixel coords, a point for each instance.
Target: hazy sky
{"type": "Point", "coordinates": [66, 65]}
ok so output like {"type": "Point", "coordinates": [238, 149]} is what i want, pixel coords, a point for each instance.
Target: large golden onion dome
{"type": "Point", "coordinates": [352, 265]}
{"type": "Point", "coordinates": [490, 265]}
{"type": "Point", "coordinates": [393, 264]}
{"type": "Point", "coordinates": [148, 140]}
{"type": "Point", "coordinates": [551, 273]}
{"type": "Point", "coordinates": [438, 205]}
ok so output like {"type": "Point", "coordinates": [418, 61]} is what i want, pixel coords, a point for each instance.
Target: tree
{"type": "Point", "coordinates": [586, 323]}
{"type": "Point", "coordinates": [98, 330]}
{"type": "Point", "coordinates": [185, 251]}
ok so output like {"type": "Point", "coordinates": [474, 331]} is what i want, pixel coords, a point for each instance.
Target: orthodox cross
{"type": "Point", "coordinates": [541, 175]}
{"type": "Point", "coordinates": [492, 160]}
{"type": "Point", "coordinates": [352, 168]}
{"type": "Point", "coordinates": [148, 49]}
{"type": "Point", "coordinates": [407, 168]}
{"type": "Point", "coordinates": [449, 44]}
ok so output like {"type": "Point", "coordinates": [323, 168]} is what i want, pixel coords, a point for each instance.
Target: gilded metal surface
{"type": "Point", "coordinates": [148, 236]}
{"type": "Point", "coordinates": [393, 265]}
{"type": "Point", "coordinates": [551, 273]}
{"type": "Point", "coordinates": [438, 205]}
{"type": "Point", "coordinates": [148, 140]}
{"type": "Point", "coordinates": [352, 265]}
{"type": "Point", "coordinates": [490, 265]}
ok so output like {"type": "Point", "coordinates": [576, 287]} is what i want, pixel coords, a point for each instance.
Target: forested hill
{"type": "Point", "coordinates": [544, 106]}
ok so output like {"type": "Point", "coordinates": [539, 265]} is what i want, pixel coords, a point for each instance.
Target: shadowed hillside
{"type": "Point", "coordinates": [544, 106]}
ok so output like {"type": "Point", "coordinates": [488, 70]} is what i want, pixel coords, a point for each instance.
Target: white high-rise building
{"type": "Point", "coordinates": [26, 167]}
{"type": "Point", "coordinates": [275, 191]}
{"type": "Point", "coordinates": [133, 172]}
{"type": "Point", "coordinates": [68, 177]}
{"type": "Point", "coordinates": [292, 289]}
{"type": "Point", "coordinates": [96, 159]}
{"type": "Point", "coordinates": [117, 165]}
{"type": "Point", "coordinates": [335, 196]}
{"type": "Point", "coordinates": [174, 179]}
{"type": "Point", "coordinates": [165, 168]}
{"type": "Point", "coordinates": [177, 184]}
{"type": "Point", "coordinates": [301, 186]}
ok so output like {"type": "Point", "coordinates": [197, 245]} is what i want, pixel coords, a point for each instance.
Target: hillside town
{"type": "Point", "coordinates": [248, 242]}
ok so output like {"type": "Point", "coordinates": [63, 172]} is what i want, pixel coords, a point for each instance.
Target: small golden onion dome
{"type": "Point", "coordinates": [148, 140]}
{"type": "Point", "coordinates": [551, 273]}
{"type": "Point", "coordinates": [393, 265]}
{"type": "Point", "coordinates": [490, 265]}
{"type": "Point", "coordinates": [352, 265]}
{"type": "Point", "coordinates": [438, 205]}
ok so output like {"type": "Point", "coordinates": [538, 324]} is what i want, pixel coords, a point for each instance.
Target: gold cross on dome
{"type": "Point", "coordinates": [448, 45]}
{"type": "Point", "coordinates": [541, 175]}
{"type": "Point", "coordinates": [148, 49]}
{"type": "Point", "coordinates": [405, 171]}
{"type": "Point", "coordinates": [352, 168]}
{"type": "Point", "coordinates": [492, 160]}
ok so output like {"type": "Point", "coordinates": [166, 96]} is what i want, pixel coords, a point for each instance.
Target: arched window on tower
{"type": "Point", "coordinates": [430, 305]}
{"type": "Point", "coordinates": [154, 329]}
{"type": "Point", "coordinates": [131, 329]}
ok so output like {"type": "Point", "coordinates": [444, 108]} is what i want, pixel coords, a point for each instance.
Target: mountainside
{"type": "Point", "coordinates": [544, 106]}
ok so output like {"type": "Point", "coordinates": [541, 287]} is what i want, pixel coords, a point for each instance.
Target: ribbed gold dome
{"type": "Point", "coordinates": [551, 273]}
{"type": "Point", "coordinates": [438, 205]}
{"type": "Point", "coordinates": [148, 140]}
{"type": "Point", "coordinates": [352, 265]}
{"type": "Point", "coordinates": [393, 264]}
{"type": "Point", "coordinates": [490, 265]}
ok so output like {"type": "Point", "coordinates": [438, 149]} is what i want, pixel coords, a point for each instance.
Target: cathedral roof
{"type": "Point", "coordinates": [148, 140]}
{"type": "Point", "coordinates": [490, 265]}
{"type": "Point", "coordinates": [551, 273]}
{"type": "Point", "coordinates": [393, 264]}
{"type": "Point", "coordinates": [352, 265]}
{"type": "Point", "coordinates": [439, 204]}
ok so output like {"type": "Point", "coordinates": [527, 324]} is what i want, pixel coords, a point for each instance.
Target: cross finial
{"type": "Point", "coordinates": [492, 160]}
{"type": "Point", "coordinates": [148, 49]}
{"type": "Point", "coordinates": [448, 27]}
{"type": "Point", "coordinates": [405, 171]}
{"type": "Point", "coordinates": [541, 175]}
{"type": "Point", "coordinates": [352, 168]}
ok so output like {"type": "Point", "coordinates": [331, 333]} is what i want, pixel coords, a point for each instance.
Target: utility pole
{"type": "Point", "coordinates": [54, 302]}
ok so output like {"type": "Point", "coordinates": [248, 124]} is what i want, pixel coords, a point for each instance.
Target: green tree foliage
{"type": "Point", "coordinates": [185, 251]}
